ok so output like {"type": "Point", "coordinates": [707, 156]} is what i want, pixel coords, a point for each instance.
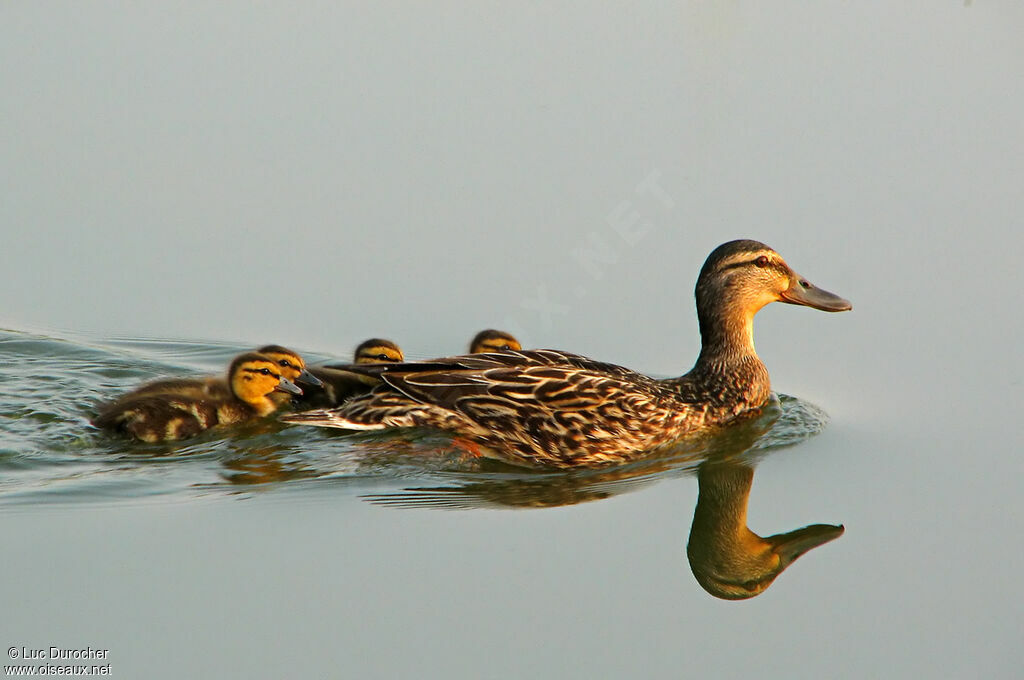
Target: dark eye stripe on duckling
{"type": "Point", "coordinates": [378, 350]}
{"type": "Point", "coordinates": [261, 371]}
{"type": "Point", "coordinates": [378, 354]}
{"type": "Point", "coordinates": [276, 350]}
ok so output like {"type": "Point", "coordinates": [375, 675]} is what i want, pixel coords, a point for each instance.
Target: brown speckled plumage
{"type": "Point", "coordinates": [564, 410]}
{"type": "Point", "coordinates": [340, 384]}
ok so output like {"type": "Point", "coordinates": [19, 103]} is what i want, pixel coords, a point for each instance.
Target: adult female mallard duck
{"type": "Point", "coordinates": [491, 340]}
{"type": "Point", "coordinates": [171, 415]}
{"type": "Point", "coordinates": [564, 410]}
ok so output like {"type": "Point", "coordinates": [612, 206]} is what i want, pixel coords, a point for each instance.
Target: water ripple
{"type": "Point", "coordinates": [50, 455]}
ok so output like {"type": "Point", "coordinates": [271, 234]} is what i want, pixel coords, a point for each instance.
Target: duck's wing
{"type": "Point", "coordinates": [526, 392]}
{"type": "Point", "coordinates": [535, 410]}
{"type": "Point", "coordinates": [489, 360]}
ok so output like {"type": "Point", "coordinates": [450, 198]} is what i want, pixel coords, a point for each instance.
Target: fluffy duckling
{"type": "Point", "coordinates": [338, 384]}
{"type": "Point", "coordinates": [491, 340]}
{"type": "Point", "coordinates": [378, 351]}
{"type": "Point", "coordinates": [171, 415]}
{"type": "Point", "coordinates": [291, 365]}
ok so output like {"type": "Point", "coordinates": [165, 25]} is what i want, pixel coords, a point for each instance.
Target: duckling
{"type": "Point", "coordinates": [338, 383]}
{"type": "Point", "coordinates": [553, 408]}
{"type": "Point", "coordinates": [729, 560]}
{"type": "Point", "coordinates": [378, 351]}
{"type": "Point", "coordinates": [292, 367]}
{"type": "Point", "coordinates": [169, 416]}
{"type": "Point", "coordinates": [491, 340]}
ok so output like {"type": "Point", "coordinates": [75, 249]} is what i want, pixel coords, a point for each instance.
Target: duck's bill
{"type": "Point", "coordinates": [307, 378]}
{"type": "Point", "coordinates": [286, 385]}
{"type": "Point", "coordinates": [803, 292]}
{"type": "Point", "coordinates": [792, 545]}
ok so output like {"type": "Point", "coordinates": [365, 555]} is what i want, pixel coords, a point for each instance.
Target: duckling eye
{"type": "Point", "coordinates": [762, 261]}
{"type": "Point", "coordinates": [506, 347]}
{"type": "Point", "coordinates": [265, 371]}
{"type": "Point", "coordinates": [383, 357]}
{"type": "Point", "coordinates": [284, 362]}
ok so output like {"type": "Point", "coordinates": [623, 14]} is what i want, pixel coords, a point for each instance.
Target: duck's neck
{"type": "Point", "coordinates": [728, 366]}
{"type": "Point", "coordinates": [725, 340]}
{"type": "Point", "coordinates": [263, 406]}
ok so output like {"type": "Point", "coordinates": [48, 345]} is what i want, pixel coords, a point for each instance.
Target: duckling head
{"type": "Point", "coordinates": [728, 559]}
{"type": "Point", "coordinates": [378, 351]}
{"type": "Point", "coordinates": [291, 365]}
{"type": "Point", "coordinates": [255, 377]}
{"type": "Point", "coordinates": [738, 279]}
{"type": "Point", "coordinates": [491, 340]}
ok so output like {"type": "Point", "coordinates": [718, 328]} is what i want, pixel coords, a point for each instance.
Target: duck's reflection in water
{"type": "Point", "coordinates": [728, 559]}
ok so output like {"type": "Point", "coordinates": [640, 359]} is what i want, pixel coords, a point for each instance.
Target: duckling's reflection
{"type": "Point", "coordinates": [728, 559]}
{"type": "Point", "coordinates": [265, 465]}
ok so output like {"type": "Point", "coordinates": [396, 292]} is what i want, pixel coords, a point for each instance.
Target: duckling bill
{"type": "Point", "coordinates": [185, 408]}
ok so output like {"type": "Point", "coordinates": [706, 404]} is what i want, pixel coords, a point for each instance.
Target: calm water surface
{"type": "Point", "coordinates": [314, 174]}
{"type": "Point", "coordinates": [51, 455]}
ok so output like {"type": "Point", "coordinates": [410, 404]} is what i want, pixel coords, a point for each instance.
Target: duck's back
{"type": "Point", "coordinates": [196, 388]}
{"type": "Point", "coordinates": [167, 417]}
{"type": "Point", "coordinates": [541, 405]}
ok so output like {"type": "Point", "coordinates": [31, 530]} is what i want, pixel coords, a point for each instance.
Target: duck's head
{"type": "Point", "coordinates": [748, 275]}
{"type": "Point", "coordinates": [737, 280]}
{"type": "Point", "coordinates": [291, 365]}
{"type": "Point", "coordinates": [378, 351]}
{"type": "Point", "coordinates": [254, 377]}
{"type": "Point", "coordinates": [491, 340]}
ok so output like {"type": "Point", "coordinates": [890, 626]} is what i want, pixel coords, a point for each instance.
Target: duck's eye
{"type": "Point", "coordinates": [762, 261]}
{"type": "Point", "coordinates": [265, 371]}
{"type": "Point", "coordinates": [383, 357]}
{"type": "Point", "coordinates": [505, 347]}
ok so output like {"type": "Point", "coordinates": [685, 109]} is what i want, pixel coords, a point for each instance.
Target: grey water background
{"type": "Point", "coordinates": [178, 182]}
